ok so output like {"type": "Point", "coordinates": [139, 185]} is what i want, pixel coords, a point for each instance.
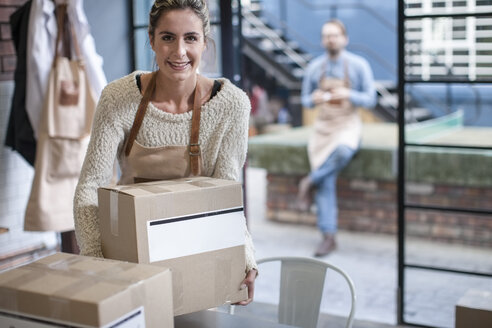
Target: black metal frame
{"type": "Point", "coordinates": [230, 21]}
{"type": "Point", "coordinates": [131, 38]}
{"type": "Point", "coordinates": [402, 144]}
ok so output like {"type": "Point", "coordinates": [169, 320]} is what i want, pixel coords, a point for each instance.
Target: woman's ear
{"type": "Point", "coordinates": [151, 40]}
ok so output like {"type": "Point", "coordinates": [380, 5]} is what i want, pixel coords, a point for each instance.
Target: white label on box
{"type": "Point", "coordinates": [133, 319]}
{"type": "Point", "coordinates": [198, 233]}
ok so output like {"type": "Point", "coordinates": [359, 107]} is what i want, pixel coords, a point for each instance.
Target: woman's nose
{"type": "Point", "coordinates": [181, 47]}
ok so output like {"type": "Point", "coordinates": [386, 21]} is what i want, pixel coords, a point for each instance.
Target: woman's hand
{"type": "Point", "coordinates": [249, 282]}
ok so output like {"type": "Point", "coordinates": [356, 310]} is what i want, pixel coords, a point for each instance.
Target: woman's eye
{"type": "Point", "coordinates": [167, 38]}
{"type": "Point", "coordinates": [191, 38]}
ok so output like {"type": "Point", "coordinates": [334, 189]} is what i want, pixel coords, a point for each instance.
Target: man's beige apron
{"type": "Point", "coordinates": [336, 124]}
{"type": "Point", "coordinates": [161, 163]}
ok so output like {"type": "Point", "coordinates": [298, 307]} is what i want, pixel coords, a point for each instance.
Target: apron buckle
{"type": "Point", "coordinates": [194, 149]}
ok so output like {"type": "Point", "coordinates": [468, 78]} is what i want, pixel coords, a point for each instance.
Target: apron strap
{"type": "Point", "coordinates": [194, 151]}
{"type": "Point", "coordinates": [194, 146]}
{"type": "Point", "coordinates": [323, 72]}
{"type": "Point", "coordinates": [346, 77]}
{"type": "Point", "coordinates": [66, 41]}
{"type": "Point", "coordinates": [139, 116]}
{"type": "Point", "coordinates": [62, 40]}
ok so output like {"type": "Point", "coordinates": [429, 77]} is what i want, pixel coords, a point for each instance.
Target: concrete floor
{"type": "Point", "coordinates": [371, 261]}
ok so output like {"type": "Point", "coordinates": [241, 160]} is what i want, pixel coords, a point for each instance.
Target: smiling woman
{"type": "Point", "coordinates": [178, 41]}
{"type": "Point", "coordinates": [193, 124]}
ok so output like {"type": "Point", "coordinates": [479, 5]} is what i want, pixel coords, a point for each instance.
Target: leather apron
{"type": "Point", "coordinates": [337, 123]}
{"type": "Point", "coordinates": [142, 163]}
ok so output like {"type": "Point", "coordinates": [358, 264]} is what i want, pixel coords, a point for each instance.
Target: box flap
{"type": "Point", "coordinates": [163, 186]}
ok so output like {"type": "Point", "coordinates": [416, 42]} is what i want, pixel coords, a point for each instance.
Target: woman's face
{"type": "Point", "coordinates": [178, 44]}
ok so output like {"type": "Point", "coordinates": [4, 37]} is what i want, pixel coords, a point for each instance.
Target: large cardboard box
{"type": "Point", "coordinates": [195, 226]}
{"type": "Point", "coordinates": [78, 291]}
{"type": "Point", "coordinates": [474, 309]}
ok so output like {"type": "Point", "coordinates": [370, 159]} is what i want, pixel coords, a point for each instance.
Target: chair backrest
{"type": "Point", "coordinates": [301, 290]}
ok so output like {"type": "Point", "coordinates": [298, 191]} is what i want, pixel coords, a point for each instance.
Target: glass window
{"type": "Point", "coordinates": [435, 48]}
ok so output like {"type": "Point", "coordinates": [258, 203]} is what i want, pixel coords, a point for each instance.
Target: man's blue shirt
{"type": "Point", "coordinates": [362, 91]}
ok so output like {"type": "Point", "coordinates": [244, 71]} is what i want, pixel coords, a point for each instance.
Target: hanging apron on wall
{"type": "Point", "coordinates": [167, 162]}
{"type": "Point", "coordinates": [63, 136]}
{"type": "Point", "coordinates": [337, 123]}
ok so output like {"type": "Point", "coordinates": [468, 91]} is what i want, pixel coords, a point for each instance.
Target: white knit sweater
{"type": "Point", "coordinates": [223, 142]}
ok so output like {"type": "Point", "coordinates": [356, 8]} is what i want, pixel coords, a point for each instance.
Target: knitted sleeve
{"type": "Point", "coordinates": [97, 171]}
{"type": "Point", "coordinates": [232, 155]}
{"type": "Point", "coordinates": [234, 142]}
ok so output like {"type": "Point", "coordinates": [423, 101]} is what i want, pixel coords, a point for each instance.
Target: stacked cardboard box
{"type": "Point", "coordinates": [195, 226]}
{"type": "Point", "coordinates": [474, 309]}
{"type": "Point", "coordinates": [78, 291]}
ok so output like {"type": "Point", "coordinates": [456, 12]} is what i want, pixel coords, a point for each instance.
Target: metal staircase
{"type": "Point", "coordinates": [271, 50]}
{"type": "Point", "coordinates": [454, 48]}
{"type": "Point", "coordinates": [282, 58]}
{"type": "Point", "coordinates": [277, 56]}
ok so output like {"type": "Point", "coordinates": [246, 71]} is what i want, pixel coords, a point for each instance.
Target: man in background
{"type": "Point", "coordinates": [336, 82]}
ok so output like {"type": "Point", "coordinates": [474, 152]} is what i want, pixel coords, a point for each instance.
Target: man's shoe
{"type": "Point", "coordinates": [305, 194]}
{"type": "Point", "coordinates": [326, 246]}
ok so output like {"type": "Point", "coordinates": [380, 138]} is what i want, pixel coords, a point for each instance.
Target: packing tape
{"type": "Point", "coordinates": [178, 295]}
{"type": "Point", "coordinates": [223, 279]}
{"type": "Point", "coordinates": [60, 301]}
{"type": "Point", "coordinates": [203, 184]}
{"type": "Point", "coordinates": [59, 308]}
{"type": "Point", "coordinates": [65, 267]}
{"type": "Point", "coordinates": [116, 272]}
{"type": "Point", "coordinates": [149, 187]}
{"type": "Point", "coordinates": [10, 294]}
{"type": "Point", "coordinates": [64, 263]}
{"type": "Point", "coordinates": [138, 296]}
{"type": "Point", "coordinates": [153, 189]}
{"type": "Point", "coordinates": [119, 271]}
{"type": "Point", "coordinates": [113, 212]}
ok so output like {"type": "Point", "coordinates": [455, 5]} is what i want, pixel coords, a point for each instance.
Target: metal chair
{"type": "Point", "coordinates": [301, 289]}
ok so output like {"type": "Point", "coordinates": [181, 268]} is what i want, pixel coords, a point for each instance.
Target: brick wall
{"type": "Point", "coordinates": [371, 206]}
{"type": "Point", "coordinates": [7, 49]}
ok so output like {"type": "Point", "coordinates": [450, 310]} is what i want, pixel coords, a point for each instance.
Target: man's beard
{"type": "Point", "coordinates": [334, 52]}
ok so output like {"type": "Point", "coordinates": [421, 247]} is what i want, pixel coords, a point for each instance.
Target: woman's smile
{"type": "Point", "coordinates": [179, 66]}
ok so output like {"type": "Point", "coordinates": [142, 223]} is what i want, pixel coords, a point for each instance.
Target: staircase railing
{"type": "Point", "coordinates": [258, 25]}
{"type": "Point", "coordinates": [280, 20]}
{"type": "Point", "coordinates": [387, 102]}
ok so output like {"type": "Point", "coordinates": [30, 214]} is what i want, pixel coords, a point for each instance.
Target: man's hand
{"type": "Point", "coordinates": [249, 282]}
{"type": "Point", "coordinates": [318, 96]}
{"type": "Point", "coordinates": [339, 94]}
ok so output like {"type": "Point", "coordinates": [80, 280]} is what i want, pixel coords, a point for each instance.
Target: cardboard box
{"type": "Point", "coordinates": [79, 291]}
{"type": "Point", "coordinates": [474, 309]}
{"type": "Point", "coordinates": [195, 226]}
